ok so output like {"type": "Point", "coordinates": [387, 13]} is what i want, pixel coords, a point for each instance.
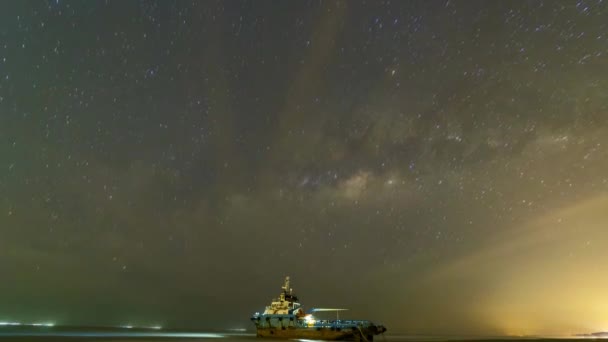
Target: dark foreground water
{"type": "Point", "coordinates": [159, 336]}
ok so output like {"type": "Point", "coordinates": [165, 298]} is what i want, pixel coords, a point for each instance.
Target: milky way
{"type": "Point", "coordinates": [439, 166]}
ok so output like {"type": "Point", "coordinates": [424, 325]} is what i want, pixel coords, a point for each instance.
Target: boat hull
{"type": "Point", "coordinates": [327, 334]}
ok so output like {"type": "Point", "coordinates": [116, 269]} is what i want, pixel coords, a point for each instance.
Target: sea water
{"type": "Point", "coordinates": [160, 336]}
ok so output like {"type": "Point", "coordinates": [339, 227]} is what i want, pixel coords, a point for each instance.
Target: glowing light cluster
{"type": "Point", "coordinates": [129, 326]}
{"type": "Point", "coordinates": [10, 323]}
{"type": "Point", "coordinates": [309, 319]}
{"type": "Point", "coordinates": [43, 324]}
{"type": "Point", "coordinates": [3, 323]}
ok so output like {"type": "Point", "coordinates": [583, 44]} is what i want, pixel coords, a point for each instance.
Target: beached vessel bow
{"type": "Point", "coordinates": [285, 318]}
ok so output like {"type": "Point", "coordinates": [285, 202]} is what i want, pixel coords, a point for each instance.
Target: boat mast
{"type": "Point", "coordinates": [286, 285]}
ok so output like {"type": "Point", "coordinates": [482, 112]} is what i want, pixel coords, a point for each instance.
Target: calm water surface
{"type": "Point", "coordinates": [215, 337]}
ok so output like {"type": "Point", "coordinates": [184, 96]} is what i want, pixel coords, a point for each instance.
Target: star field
{"type": "Point", "coordinates": [439, 166]}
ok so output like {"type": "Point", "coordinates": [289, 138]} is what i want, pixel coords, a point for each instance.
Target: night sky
{"type": "Point", "coordinates": [436, 166]}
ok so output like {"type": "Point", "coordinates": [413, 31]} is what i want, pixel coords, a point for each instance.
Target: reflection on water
{"type": "Point", "coordinates": [115, 334]}
{"type": "Point", "coordinates": [160, 336]}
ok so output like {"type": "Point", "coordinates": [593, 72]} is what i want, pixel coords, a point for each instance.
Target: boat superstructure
{"type": "Point", "coordinates": [285, 318]}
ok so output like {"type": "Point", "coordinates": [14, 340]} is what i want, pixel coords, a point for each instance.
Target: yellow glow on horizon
{"type": "Point", "coordinates": [545, 278]}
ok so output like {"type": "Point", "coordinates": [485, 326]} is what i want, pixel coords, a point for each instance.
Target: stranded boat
{"type": "Point", "coordinates": [285, 318]}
